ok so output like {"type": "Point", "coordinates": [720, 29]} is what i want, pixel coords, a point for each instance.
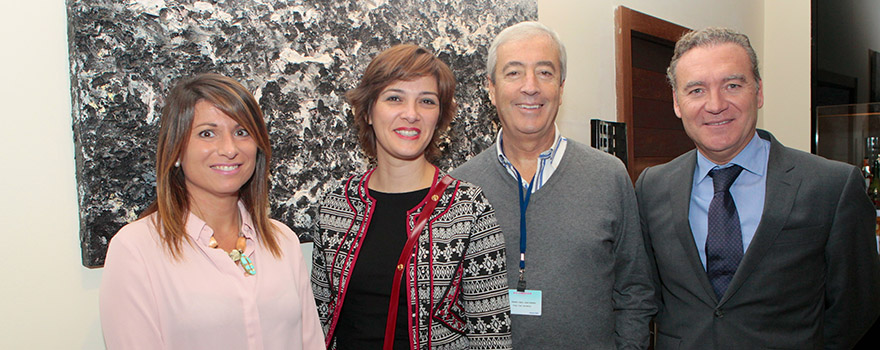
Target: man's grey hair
{"type": "Point", "coordinates": [520, 31]}
{"type": "Point", "coordinates": [710, 37]}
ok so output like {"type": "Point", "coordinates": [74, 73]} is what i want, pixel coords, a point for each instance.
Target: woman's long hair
{"type": "Point", "coordinates": [172, 204]}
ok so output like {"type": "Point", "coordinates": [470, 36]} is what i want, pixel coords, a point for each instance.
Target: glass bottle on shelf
{"type": "Point", "coordinates": [874, 185]}
{"type": "Point", "coordinates": [872, 157]}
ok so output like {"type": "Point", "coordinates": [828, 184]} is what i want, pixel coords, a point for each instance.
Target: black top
{"type": "Point", "coordinates": [361, 323]}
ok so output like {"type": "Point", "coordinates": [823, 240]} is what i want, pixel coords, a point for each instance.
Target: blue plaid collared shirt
{"type": "Point", "coordinates": [548, 161]}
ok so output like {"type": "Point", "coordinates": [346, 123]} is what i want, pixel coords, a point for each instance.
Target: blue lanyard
{"type": "Point", "coordinates": [523, 205]}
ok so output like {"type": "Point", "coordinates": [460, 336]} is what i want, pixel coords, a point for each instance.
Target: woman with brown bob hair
{"type": "Point", "coordinates": [204, 267]}
{"type": "Point", "coordinates": [405, 256]}
{"type": "Point", "coordinates": [403, 62]}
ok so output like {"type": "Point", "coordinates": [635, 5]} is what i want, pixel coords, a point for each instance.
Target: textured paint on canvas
{"type": "Point", "coordinates": [297, 57]}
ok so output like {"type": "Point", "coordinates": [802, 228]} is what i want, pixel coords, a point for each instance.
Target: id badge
{"type": "Point", "coordinates": [526, 303]}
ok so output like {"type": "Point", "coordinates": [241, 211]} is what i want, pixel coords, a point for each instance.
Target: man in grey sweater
{"type": "Point", "coordinates": [568, 212]}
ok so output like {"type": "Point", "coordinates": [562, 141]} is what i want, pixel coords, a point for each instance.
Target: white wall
{"type": "Point", "coordinates": [50, 301]}
{"type": "Point", "coordinates": [587, 28]}
{"type": "Point", "coordinates": [786, 72]}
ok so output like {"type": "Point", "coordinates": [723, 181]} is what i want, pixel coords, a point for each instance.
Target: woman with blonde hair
{"type": "Point", "coordinates": [405, 256]}
{"type": "Point", "coordinates": [204, 267]}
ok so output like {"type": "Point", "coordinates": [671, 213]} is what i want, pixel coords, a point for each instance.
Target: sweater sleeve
{"type": "Point", "coordinates": [319, 278]}
{"type": "Point", "coordinates": [633, 296]}
{"type": "Point", "coordinates": [484, 284]}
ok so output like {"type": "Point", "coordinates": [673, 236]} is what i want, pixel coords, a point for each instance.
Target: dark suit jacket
{"type": "Point", "coordinates": [810, 279]}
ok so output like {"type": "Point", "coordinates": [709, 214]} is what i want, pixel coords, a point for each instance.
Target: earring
{"type": "Point", "coordinates": [177, 164]}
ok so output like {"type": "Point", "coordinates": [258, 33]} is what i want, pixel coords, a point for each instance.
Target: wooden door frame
{"type": "Point", "coordinates": [626, 22]}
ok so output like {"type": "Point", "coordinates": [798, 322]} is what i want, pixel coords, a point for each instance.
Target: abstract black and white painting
{"type": "Point", "coordinates": [297, 57]}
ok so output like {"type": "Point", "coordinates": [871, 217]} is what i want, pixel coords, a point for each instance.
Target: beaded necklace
{"type": "Point", "coordinates": [237, 253]}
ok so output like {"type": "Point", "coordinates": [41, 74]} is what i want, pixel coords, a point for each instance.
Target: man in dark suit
{"type": "Point", "coordinates": [753, 245]}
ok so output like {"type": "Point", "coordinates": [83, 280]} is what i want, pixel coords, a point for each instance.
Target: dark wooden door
{"type": "Point", "coordinates": [644, 97]}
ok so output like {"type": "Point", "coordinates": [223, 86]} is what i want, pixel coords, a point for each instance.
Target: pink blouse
{"type": "Point", "coordinates": [148, 300]}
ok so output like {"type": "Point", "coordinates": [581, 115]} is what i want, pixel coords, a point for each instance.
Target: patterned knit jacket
{"type": "Point", "coordinates": [456, 278]}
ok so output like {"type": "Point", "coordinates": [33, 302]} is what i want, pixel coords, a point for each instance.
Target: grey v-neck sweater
{"type": "Point", "coordinates": [585, 251]}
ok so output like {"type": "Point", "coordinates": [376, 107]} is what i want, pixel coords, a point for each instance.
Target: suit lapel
{"type": "Point", "coordinates": [680, 197]}
{"type": "Point", "coordinates": [781, 189]}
